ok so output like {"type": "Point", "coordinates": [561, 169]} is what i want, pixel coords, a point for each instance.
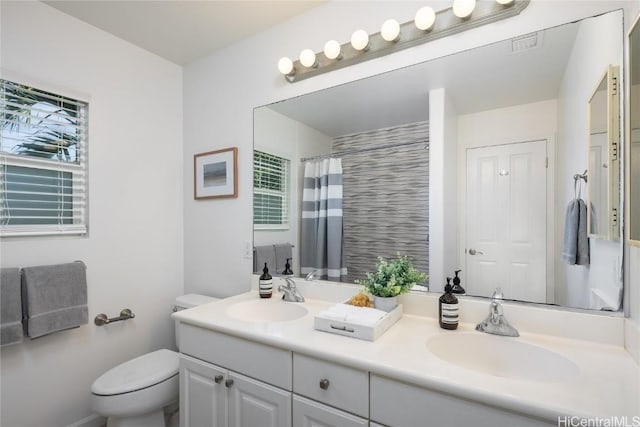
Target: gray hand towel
{"type": "Point", "coordinates": [283, 251]}
{"type": "Point", "coordinates": [576, 241]}
{"type": "Point", "coordinates": [582, 248]}
{"type": "Point", "coordinates": [10, 307]}
{"type": "Point", "coordinates": [54, 297]}
{"type": "Point", "coordinates": [265, 254]}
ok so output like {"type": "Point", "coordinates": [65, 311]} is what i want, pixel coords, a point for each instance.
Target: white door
{"type": "Point", "coordinates": [256, 404]}
{"type": "Point", "coordinates": [506, 220]}
{"type": "Point", "coordinates": [203, 395]}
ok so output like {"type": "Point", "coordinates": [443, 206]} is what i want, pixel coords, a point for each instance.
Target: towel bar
{"type": "Point", "coordinates": [102, 319]}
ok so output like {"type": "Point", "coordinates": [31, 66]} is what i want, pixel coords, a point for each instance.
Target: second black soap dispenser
{"type": "Point", "coordinates": [457, 288]}
{"type": "Point", "coordinates": [448, 308]}
{"type": "Point", "coordinates": [287, 268]}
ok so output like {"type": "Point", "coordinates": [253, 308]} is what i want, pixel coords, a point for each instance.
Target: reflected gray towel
{"type": "Point", "coordinates": [283, 251]}
{"type": "Point", "coordinates": [10, 306]}
{"type": "Point", "coordinates": [54, 297]}
{"type": "Point", "coordinates": [265, 254]}
{"type": "Point", "coordinates": [576, 241]}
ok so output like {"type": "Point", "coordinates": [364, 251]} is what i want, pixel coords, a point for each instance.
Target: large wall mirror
{"type": "Point", "coordinates": [466, 162]}
{"type": "Point", "coordinates": [633, 135]}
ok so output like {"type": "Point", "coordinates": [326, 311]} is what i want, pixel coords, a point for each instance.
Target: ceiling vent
{"type": "Point", "coordinates": [526, 42]}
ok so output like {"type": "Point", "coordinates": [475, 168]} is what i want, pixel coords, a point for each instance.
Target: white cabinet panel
{"type": "Point", "coordinates": [398, 404]}
{"type": "Point", "coordinates": [255, 404]}
{"type": "Point", "coordinates": [203, 401]}
{"type": "Point", "coordinates": [265, 363]}
{"type": "Point", "coordinates": [343, 387]}
{"type": "Point", "coordinates": [307, 413]}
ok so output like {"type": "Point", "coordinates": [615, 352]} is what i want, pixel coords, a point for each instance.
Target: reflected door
{"type": "Point", "coordinates": [506, 220]}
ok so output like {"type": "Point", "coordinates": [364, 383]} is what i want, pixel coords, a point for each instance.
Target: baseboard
{"type": "Point", "coordinates": [632, 339]}
{"type": "Point", "coordinates": [93, 420]}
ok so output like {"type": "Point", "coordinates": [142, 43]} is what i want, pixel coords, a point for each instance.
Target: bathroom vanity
{"type": "Point", "coordinates": [240, 367]}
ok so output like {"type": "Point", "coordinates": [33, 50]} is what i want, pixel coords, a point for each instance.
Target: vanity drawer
{"type": "Point", "coordinates": [333, 384]}
{"type": "Point", "coordinates": [262, 362]}
{"type": "Point", "coordinates": [421, 406]}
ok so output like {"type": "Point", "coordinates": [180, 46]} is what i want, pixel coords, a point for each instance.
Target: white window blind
{"type": "Point", "coordinates": [270, 191]}
{"type": "Point", "coordinates": [43, 144]}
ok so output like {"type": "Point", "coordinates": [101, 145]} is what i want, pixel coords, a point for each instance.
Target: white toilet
{"type": "Point", "coordinates": [134, 393]}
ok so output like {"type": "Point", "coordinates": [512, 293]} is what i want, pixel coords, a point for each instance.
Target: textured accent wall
{"type": "Point", "coordinates": [385, 196]}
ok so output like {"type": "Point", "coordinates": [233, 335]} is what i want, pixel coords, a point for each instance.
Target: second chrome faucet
{"type": "Point", "coordinates": [496, 323]}
{"type": "Point", "coordinates": [290, 291]}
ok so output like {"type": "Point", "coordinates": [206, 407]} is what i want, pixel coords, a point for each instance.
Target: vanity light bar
{"type": "Point", "coordinates": [364, 47]}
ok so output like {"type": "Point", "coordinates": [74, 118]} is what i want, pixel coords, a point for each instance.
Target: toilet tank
{"type": "Point", "coordinates": [188, 301]}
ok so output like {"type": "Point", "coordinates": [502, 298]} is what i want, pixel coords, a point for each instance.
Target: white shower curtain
{"type": "Point", "coordinates": [322, 243]}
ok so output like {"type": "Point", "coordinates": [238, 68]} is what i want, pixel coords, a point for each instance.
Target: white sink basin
{"type": "Point", "coordinates": [266, 310]}
{"type": "Point", "coordinates": [502, 357]}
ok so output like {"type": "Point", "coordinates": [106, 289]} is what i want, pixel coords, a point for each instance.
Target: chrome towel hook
{"type": "Point", "coordinates": [102, 319]}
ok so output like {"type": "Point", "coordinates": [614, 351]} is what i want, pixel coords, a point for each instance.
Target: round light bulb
{"type": "Point", "coordinates": [332, 49]}
{"type": "Point", "coordinates": [425, 18]}
{"type": "Point", "coordinates": [308, 58]}
{"type": "Point", "coordinates": [360, 40]}
{"type": "Point", "coordinates": [285, 66]}
{"type": "Point", "coordinates": [504, 2]}
{"type": "Point", "coordinates": [463, 8]}
{"type": "Point", "coordinates": [390, 30]}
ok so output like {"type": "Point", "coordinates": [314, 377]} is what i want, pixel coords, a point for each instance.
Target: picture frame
{"type": "Point", "coordinates": [215, 174]}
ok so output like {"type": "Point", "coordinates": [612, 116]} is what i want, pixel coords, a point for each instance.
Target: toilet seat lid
{"type": "Point", "coordinates": [135, 374]}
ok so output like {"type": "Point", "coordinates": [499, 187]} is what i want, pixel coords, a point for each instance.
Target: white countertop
{"type": "Point", "coordinates": [608, 384]}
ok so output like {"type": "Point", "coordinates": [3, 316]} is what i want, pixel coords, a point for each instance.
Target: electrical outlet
{"type": "Point", "coordinates": [248, 250]}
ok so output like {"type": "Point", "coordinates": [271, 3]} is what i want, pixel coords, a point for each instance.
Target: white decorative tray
{"type": "Point", "coordinates": [363, 332]}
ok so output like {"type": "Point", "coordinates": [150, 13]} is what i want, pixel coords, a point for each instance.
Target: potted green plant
{"type": "Point", "coordinates": [391, 278]}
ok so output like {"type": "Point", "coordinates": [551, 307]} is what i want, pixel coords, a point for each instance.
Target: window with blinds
{"type": "Point", "coordinates": [270, 191]}
{"type": "Point", "coordinates": [43, 144]}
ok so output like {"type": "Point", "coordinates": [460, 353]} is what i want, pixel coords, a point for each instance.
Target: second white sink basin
{"type": "Point", "coordinates": [502, 356]}
{"type": "Point", "coordinates": [266, 310]}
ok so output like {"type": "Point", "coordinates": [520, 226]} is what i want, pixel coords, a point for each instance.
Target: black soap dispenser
{"type": "Point", "coordinates": [448, 308]}
{"type": "Point", "coordinates": [265, 283]}
{"type": "Point", "coordinates": [287, 269]}
{"type": "Point", "coordinates": [456, 288]}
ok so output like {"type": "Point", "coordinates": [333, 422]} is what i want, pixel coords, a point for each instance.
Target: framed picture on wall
{"type": "Point", "coordinates": [215, 174]}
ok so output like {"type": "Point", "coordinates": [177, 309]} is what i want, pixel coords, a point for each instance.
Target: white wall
{"type": "Point", "coordinates": [443, 144]}
{"type": "Point", "coordinates": [279, 135]}
{"type": "Point", "coordinates": [595, 47]}
{"type": "Point", "coordinates": [222, 97]}
{"type": "Point", "coordinates": [134, 249]}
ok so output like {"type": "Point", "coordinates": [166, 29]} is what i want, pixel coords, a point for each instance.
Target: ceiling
{"type": "Point", "coordinates": [480, 79]}
{"type": "Point", "coordinates": [183, 30]}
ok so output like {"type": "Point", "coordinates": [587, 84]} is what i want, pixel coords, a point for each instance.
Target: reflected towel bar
{"type": "Point", "coordinates": [102, 319]}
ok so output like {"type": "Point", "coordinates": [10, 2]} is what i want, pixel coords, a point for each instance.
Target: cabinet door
{"type": "Point", "coordinates": [203, 396]}
{"type": "Point", "coordinates": [307, 413]}
{"type": "Point", "coordinates": [256, 404]}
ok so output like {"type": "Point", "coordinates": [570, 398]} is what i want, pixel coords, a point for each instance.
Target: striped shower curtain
{"type": "Point", "coordinates": [322, 243]}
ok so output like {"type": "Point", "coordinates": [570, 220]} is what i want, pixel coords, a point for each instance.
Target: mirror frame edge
{"type": "Point", "coordinates": [627, 146]}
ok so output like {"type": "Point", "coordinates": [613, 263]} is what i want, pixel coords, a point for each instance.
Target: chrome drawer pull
{"type": "Point", "coordinates": [324, 384]}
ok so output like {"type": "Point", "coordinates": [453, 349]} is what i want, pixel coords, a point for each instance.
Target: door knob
{"type": "Point", "coordinates": [324, 383]}
{"type": "Point", "coordinates": [228, 383]}
{"type": "Point", "coordinates": [474, 252]}
{"type": "Point", "coordinates": [218, 379]}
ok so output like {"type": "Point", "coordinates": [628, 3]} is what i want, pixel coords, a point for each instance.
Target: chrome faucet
{"type": "Point", "coordinates": [496, 323]}
{"type": "Point", "coordinates": [312, 275]}
{"type": "Point", "coordinates": [290, 291]}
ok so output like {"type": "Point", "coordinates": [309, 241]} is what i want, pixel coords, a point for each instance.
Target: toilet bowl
{"type": "Point", "coordinates": [134, 393]}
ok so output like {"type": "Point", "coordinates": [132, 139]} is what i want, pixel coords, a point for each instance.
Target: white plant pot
{"type": "Point", "coordinates": [385, 303]}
